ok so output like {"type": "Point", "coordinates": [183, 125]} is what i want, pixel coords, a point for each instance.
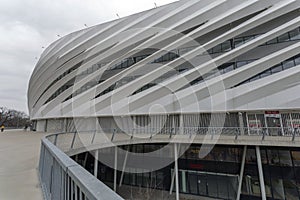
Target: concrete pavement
{"type": "Point", "coordinates": [19, 155]}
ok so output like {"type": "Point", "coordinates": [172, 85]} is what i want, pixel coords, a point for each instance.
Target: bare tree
{"type": "Point", "coordinates": [13, 118]}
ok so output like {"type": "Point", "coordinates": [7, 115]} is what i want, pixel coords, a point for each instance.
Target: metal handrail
{"type": "Point", "coordinates": [262, 131]}
{"type": "Point", "coordinates": [63, 179]}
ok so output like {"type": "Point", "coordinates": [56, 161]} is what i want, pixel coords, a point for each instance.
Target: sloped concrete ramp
{"type": "Point", "coordinates": [19, 155]}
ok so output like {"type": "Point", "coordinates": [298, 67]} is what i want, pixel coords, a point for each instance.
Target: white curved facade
{"type": "Point", "coordinates": [187, 57]}
{"type": "Point", "coordinates": [223, 73]}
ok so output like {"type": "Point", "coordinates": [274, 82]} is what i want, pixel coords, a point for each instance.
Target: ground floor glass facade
{"type": "Point", "coordinates": [217, 174]}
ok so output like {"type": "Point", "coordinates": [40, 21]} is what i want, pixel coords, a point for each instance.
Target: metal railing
{"type": "Point", "coordinates": [63, 179]}
{"type": "Point", "coordinates": [79, 139]}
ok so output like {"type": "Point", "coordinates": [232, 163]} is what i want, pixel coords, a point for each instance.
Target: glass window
{"type": "Point", "coordinates": [139, 179]}
{"type": "Point", "coordinates": [130, 61]}
{"type": "Point", "coordinates": [290, 189]}
{"type": "Point", "coordinates": [296, 157]}
{"type": "Point", "coordinates": [263, 155]}
{"type": "Point", "coordinates": [173, 56]}
{"type": "Point", "coordinates": [125, 64]}
{"type": "Point", "coordinates": [193, 153]}
{"type": "Point", "coordinates": [278, 190]}
{"type": "Point", "coordinates": [212, 186]}
{"type": "Point", "coordinates": [238, 42]}
{"type": "Point", "coordinates": [285, 158]}
{"type": "Point", "coordinates": [228, 68]}
{"type": "Point", "coordinates": [255, 78]}
{"type": "Point", "coordinates": [226, 46]}
{"type": "Point", "coordinates": [297, 60]}
{"type": "Point", "coordinates": [126, 178]}
{"type": "Point", "coordinates": [210, 51]}
{"type": "Point", "coordinates": [146, 182]}
{"type": "Point", "coordinates": [193, 183]}
{"type": "Point", "coordinates": [217, 49]}
{"type": "Point", "coordinates": [273, 157]}
{"type": "Point", "coordinates": [274, 41]}
{"type": "Point", "coordinates": [251, 185]}
{"type": "Point", "coordinates": [241, 63]}
{"type": "Point", "coordinates": [284, 38]}
{"type": "Point", "coordinates": [265, 73]}
{"type": "Point", "coordinates": [288, 64]}
{"type": "Point", "coordinates": [248, 38]}
{"type": "Point", "coordinates": [277, 68]}
{"type": "Point", "coordinates": [294, 35]}
{"type": "Point", "coordinates": [159, 60]}
{"type": "Point", "coordinates": [183, 51]}
{"type": "Point", "coordinates": [133, 179]}
{"type": "Point", "coordinates": [234, 154]}
{"type": "Point", "coordinates": [166, 57]}
{"type": "Point", "coordinates": [251, 156]}
{"type": "Point", "coordinates": [159, 180]}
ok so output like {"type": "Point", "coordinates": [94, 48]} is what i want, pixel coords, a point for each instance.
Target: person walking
{"type": "Point", "coordinates": [2, 127]}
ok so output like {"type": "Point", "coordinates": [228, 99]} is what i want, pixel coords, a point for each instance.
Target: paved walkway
{"type": "Point", "coordinates": [19, 155]}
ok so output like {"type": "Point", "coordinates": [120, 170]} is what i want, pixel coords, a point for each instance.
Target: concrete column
{"type": "Point", "coordinates": [176, 171]}
{"type": "Point", "coordinates": [115, 170]}
{"type": "Point", "coordinates": [241, 173]}
{"type": "Point", "coordinates": [96, 163]}
{"type": "Point", "coordinates": [260, 173]}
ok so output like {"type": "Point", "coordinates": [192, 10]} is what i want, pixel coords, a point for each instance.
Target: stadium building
{"type": "Point", "coordinates": [201, 97]}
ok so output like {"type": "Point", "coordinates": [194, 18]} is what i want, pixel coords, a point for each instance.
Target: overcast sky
{"type": "Point", "coordinates": [28, 25]}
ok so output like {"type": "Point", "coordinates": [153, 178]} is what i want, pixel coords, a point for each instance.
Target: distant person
{"type": "Point", "coordinates": [25, 128]}
{"type": "Point", "coordinates": [2, 128]}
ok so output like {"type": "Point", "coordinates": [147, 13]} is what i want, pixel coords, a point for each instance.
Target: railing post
{"type": "Point", "coordinates": [212, 133]}
{"type": "Point", "coordinates": [152, 131]}
{"type": "Point", "coordinates": [237, 133]}
{"type": "Point", "coordinates": [113, 135]}
{"type": "Point", "coordinates": [264, 134]}
{"type": "Point", "coordinates": [294, 135]}
{"type": "Point", "coordinates": [171, 132]}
